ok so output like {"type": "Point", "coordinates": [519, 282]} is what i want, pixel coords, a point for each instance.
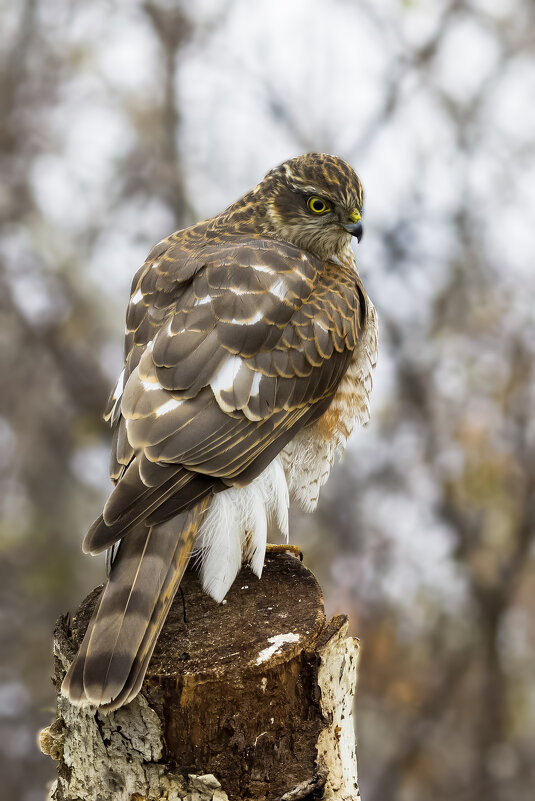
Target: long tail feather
{"type": "Point", "coordinates": [146, 572]}
{"type": "Point", "coordinates": [159, 615]}
{"type": "Point", "coordinates": [73, 683]}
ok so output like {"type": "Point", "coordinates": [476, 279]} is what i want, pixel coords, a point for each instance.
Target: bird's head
{"type": "Point", "coordinates": [315, 202]}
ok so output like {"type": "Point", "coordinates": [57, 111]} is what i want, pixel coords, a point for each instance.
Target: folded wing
{"type": "Point", "coordinates": [227, 356]}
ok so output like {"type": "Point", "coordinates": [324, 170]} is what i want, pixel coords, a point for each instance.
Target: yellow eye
{"type": "Point", "coordinates": [317, 205]}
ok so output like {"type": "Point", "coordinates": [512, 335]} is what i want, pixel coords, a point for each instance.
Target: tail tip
{"type": "Point", "coordinates": [76, 697]}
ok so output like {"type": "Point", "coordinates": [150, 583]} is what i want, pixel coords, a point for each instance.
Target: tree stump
{"type": "Point", "coordinates": [248, 699]}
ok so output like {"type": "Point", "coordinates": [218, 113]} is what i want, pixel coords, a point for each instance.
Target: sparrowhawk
{"type": "Point", "coordinates": [250, 344]}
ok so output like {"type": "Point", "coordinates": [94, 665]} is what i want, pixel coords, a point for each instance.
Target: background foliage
{"type": "Point", "coordinates": [122, 121]}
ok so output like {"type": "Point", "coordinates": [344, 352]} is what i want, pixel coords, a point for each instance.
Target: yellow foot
{"type": "Point", "coordinates": [293, 549]}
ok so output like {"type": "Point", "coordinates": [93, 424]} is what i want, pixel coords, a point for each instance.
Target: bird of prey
{"type": "Point", "coordinates": [249, 349]}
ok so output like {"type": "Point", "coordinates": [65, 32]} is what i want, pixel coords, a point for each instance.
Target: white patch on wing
{"type": "Point", "coordinates": [301, 275]}
{"type": "Point", "coordinates": [137, 297]}
{"type": "Point", "coordinates": [202, 301]}
{"type": "Point", "coordinates": [261, 268]}
{"type": "Point", "coordinates": [118, 391]}
{"type": "Point", "coordinates": [278, 641]}
{"type": "Point", "coordinates": [169, 329]}
{"type": "Point", "coordinates": [235, 526]}
{"type": "Point", "coordinates": [169, 406]}
{"type": "Point", "coordinates": [224, 378]}
{"type": "Point", "coordinates": [278, 289]}
{"type": "Point", "coordinates": [116, 398]}
{"type": "Point", "coordinates": [255, 386]}
{"type": "Point", "coordinates": [255, 319]}
{"type": "Point", "coordinates": [150, 386]}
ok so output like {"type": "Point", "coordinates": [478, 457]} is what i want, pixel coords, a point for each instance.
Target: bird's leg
{"type": "Point", "coordinates": [284, 548]}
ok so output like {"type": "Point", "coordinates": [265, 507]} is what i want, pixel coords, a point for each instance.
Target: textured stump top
{"type": "Point", "coordinates": [204, 637]}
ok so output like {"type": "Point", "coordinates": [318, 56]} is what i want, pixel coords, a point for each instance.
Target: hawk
{"type": "Point", "coordinates": [249, 348]}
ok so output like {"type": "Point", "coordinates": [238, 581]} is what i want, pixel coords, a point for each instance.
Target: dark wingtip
{"type": "Point", "coordinates": [97, 538]}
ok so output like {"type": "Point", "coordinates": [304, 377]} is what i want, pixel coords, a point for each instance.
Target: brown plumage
{"type": "Point", "coordinates": [248, 355]}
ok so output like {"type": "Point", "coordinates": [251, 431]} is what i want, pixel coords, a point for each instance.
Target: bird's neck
{"type": "Point", "coordinates": [252, 216]}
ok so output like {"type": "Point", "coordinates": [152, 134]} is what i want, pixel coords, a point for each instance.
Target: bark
{"type": "Point", "coordinates": [248, 699]}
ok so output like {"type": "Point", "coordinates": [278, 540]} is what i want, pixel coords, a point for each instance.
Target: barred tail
{"type": "Point", "coordinates": [111, 663]}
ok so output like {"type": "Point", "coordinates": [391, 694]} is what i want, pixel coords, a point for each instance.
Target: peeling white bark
{"type": "Point", "coordinates": [337, 678]}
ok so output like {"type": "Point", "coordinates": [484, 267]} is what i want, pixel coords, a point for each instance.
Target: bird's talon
{"type": "Point", "coordinates": [295, 550]}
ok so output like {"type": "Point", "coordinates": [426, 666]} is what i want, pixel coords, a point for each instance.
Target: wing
{"type": "Point", "coordinates": [228, 354]}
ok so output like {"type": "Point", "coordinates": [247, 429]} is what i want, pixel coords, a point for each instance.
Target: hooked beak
{"type": "Point", "coordinates": [355, 226]}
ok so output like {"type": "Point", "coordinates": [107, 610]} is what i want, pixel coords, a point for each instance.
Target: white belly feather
{"type": "Point", "coordinates": [235, 527]}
